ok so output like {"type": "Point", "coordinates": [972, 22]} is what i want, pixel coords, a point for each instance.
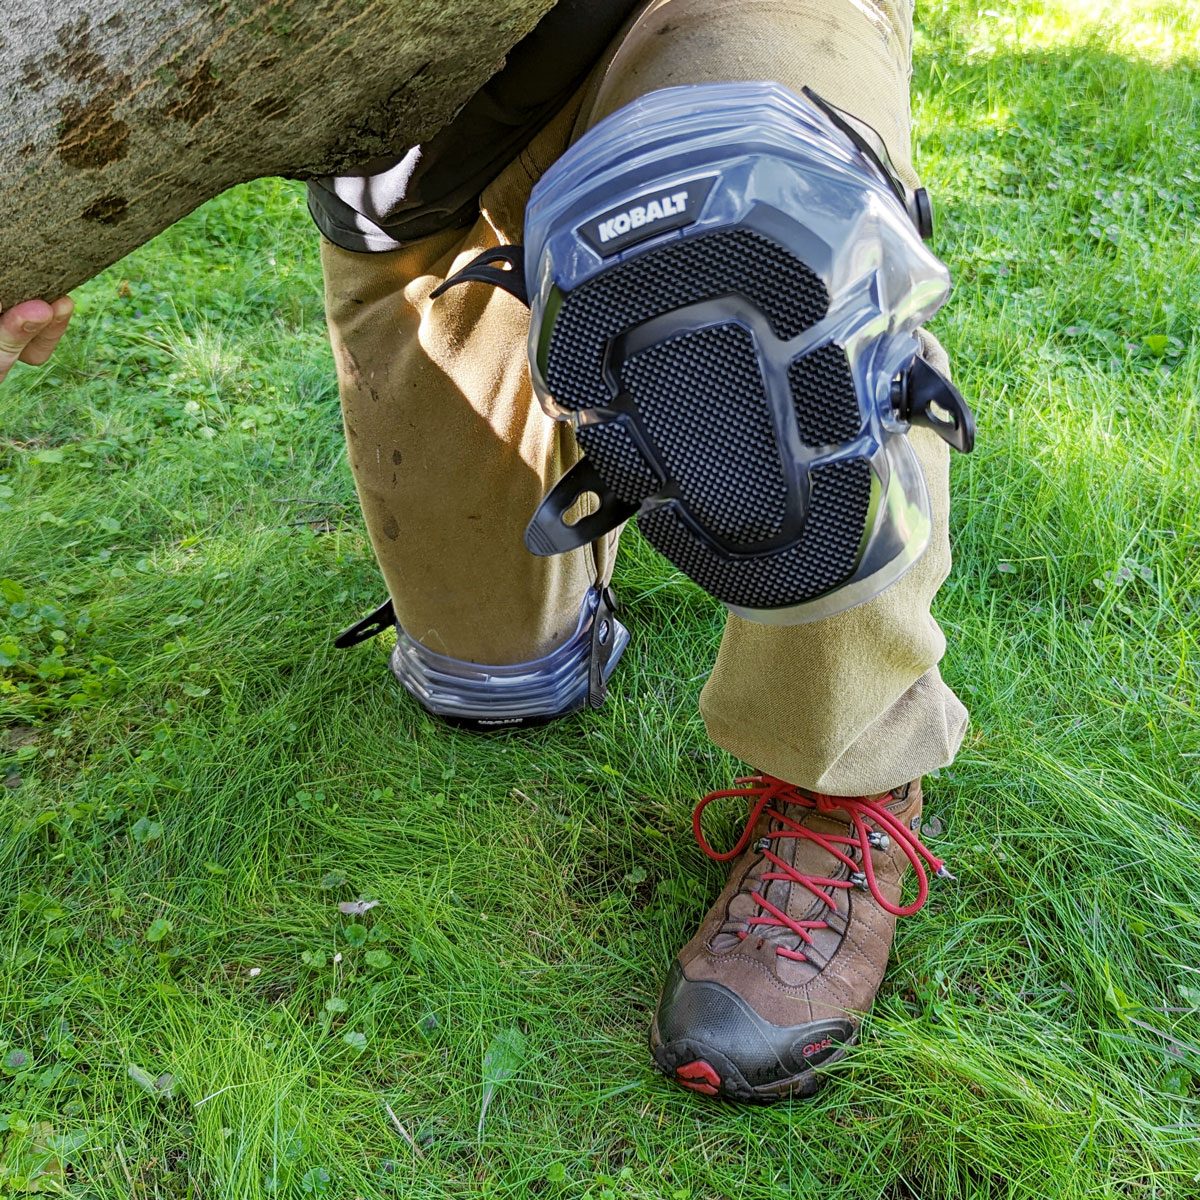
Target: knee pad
{"type": "Point", "coordinates": [570, 677]}
{"type": "Point", "coordinates": [725, 284]}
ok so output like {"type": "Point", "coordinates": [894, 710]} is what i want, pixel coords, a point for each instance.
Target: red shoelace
{"type": "Point", "coordinates": [766, 794]}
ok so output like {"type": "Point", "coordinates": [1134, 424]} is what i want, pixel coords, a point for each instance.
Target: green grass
{"type": "Point", "coordinates": [195, 780]}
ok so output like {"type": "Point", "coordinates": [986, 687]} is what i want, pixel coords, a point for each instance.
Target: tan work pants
{"type": "Point", "coordinates": [451, 452]}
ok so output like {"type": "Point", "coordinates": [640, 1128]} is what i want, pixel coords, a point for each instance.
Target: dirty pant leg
{"type": "Point", "coordinates": [854, 704]}
{"type": "Point", "coordinates": [449, 449]}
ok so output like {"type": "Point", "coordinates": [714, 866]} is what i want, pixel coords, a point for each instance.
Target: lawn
{"type": "Point", "coordinates": [194, 780]}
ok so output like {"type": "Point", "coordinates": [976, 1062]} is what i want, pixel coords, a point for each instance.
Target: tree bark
{"type": "Point", "coordinates": [123, 116]}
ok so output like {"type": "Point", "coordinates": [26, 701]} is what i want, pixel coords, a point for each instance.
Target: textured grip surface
{"type": "Point", "coordinates": [694, 422]}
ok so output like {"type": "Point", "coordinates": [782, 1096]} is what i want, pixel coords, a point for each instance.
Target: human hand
{"type": "Point", "coordinates": [29, 331]}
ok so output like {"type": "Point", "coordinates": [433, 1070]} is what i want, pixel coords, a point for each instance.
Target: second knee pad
{"type": "Point", "coordinates": [725, 284]}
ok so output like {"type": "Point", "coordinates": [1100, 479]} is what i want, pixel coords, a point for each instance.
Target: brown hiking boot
{"type": "Point", "coordinates": [793, 952]}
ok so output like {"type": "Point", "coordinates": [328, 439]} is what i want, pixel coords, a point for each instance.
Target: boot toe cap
{"type": "Point", "coordinates": [710, 1040]}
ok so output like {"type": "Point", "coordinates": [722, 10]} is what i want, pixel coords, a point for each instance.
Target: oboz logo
{"type": "Point", "coordinates": [644, 216]}
{"type": "Point", "coordinates": [639, 215]}
{"type": "Point", "coordinates": [816, 1047]}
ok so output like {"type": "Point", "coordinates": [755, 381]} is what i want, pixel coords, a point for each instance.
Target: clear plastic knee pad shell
{"type": "Point", "coordinates": [725, 284]}
{"type": "Point", "coordinates": [568, 678]}
{"type": "Point", "coordinates": [571, 676]}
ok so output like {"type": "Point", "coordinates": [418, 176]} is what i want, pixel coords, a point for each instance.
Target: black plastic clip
{"type": "Point", "coordinates": [384, 617]}
{"type": "Point", "coordinates": [923, 396]}
{"type": "Point", "coordinates": [510, 278]}
{"type": "Point", "coordinates": [604, 637]}
{"type": "Point", "coordinates": [548, 533]}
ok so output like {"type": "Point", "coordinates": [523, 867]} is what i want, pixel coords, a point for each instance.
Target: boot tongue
{"type": "Point", "coordinates": [806, 857]}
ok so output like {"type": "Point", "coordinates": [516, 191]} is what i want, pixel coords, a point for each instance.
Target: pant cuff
{"type": "Point", "coordinates": [919, 733]}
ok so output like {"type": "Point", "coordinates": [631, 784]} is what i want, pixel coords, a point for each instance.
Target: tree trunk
{"type": "Point", "coordinates": [124, 115]}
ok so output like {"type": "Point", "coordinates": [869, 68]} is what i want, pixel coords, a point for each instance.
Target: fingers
{"type": "Point", "coordinates": [32, 327]}
{"type": "Point", "coordinates": [42, 345]}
